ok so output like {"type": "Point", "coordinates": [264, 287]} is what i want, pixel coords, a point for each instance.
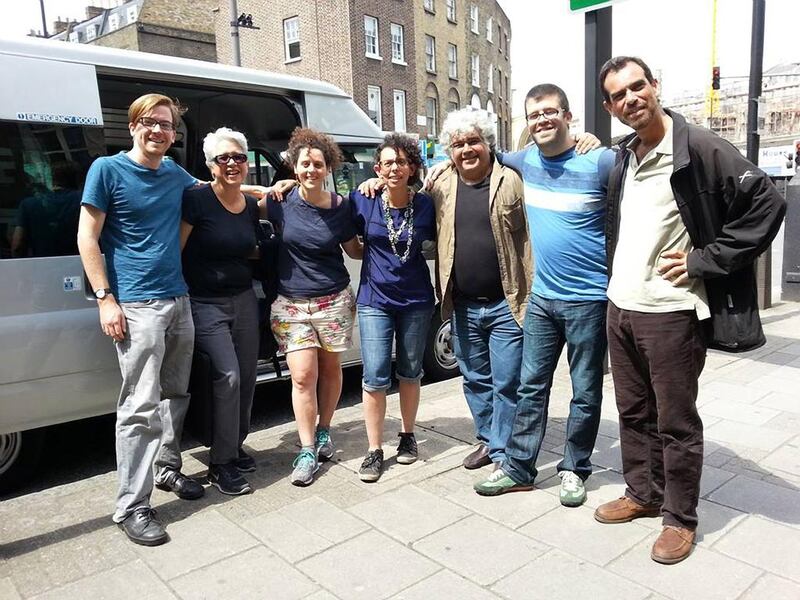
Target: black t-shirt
{"type": "Point", "coordinates": [215, 259]}
{"type": "Point", "coordinates": [476, 269]}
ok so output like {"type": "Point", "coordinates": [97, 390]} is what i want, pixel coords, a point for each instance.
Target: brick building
{"type": "Point", "coordinates": [405, 62]}
{"type": "Point", "coordinates": [182, 28]}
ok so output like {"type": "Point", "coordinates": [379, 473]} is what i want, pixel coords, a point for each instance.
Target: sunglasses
{"type": "Point", "coordinates": [224, 159]}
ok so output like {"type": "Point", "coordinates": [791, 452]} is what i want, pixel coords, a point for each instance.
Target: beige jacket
{"type": "Point", "coordinates": [509, 223]}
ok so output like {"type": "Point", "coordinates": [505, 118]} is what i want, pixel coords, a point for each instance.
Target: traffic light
{"type": "Point", "coordinates": [714, 78]}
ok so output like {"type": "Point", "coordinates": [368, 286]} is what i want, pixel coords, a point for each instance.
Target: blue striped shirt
{"type": "Point", "coordinates": [565, 200]}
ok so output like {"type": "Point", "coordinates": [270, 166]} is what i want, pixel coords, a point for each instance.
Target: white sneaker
{"type": "Point", "coordinates": [573, 492]}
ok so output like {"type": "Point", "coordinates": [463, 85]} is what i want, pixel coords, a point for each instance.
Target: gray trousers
{"type": "Point", "coordinates": [226, 329]}
{"type": "Point", "coordinates": [155, 359]}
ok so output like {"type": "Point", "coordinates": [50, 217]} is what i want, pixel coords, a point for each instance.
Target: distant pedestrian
{"type": "Point", "coordinates": [687, 218]}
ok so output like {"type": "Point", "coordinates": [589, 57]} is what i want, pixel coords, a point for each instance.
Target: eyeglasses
{"type": "Point", "coordinates": [388, 164]}
{"type": "Point", "coordinates": [151, 123]}
{"type": "Point", "coordinates": [547, 113]}
{"type": "Point", "coordinates": [460, 144]}
{"type": "Point", "coordinates": [224, 159]}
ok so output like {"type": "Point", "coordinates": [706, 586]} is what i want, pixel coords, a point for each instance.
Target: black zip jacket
{"type": "Point", "coordinates": [732, 212]}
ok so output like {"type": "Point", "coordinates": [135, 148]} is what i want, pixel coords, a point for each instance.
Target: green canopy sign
{"type": "Point", "coordinates": [587, 5]}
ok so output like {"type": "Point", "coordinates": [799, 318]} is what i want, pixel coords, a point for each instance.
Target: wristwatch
{"type": "Point", "coordinates": [102, 293]}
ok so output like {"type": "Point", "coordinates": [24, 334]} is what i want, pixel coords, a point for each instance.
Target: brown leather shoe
{"type": "Point", "coordinates": [624, 510]}
{"type": "Point", "coordinates": [673, 545]}
{"type": "Point", "coordinates": [478, 458]}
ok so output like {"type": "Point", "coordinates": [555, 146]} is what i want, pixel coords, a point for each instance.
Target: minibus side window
{"type": "Point", "coordinates": [42, 170]}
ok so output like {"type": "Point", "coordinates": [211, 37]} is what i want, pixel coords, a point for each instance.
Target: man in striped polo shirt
{"type": "Point", "coordinates": [565, 199]}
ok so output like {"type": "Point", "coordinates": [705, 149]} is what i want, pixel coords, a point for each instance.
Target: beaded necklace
{"type": "Point", "coordinates": [407, 223]}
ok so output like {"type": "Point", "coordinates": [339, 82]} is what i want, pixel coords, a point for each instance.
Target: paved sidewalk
{"type": "Point", "coordinates": [421, 532]}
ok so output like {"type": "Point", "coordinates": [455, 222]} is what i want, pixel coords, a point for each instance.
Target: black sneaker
{"type": "Point", "coordinates": [407, 452]}
{"type": "Point", "coordinates": [143, 528]}
{"type": "Point", "coordinates": [228, 480]}
{"type": "Point", "coordinates": [244, 462]}
{"type": "Point", "coordinates": [372, 467]}
{"type": "Point", "coordinates": [184, 487]}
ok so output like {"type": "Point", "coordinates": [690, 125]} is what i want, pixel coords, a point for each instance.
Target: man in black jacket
{"type": "Point", "coordinates": [687, 217]}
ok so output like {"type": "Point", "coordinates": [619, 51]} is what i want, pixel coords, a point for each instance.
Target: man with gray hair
{"type": "Point", "coordinates": [484, 275]}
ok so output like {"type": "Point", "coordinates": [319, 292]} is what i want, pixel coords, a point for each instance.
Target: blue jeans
{"type": "Point", "coordinates": [378, 328]}
{"type": "Point", "coordinates": [488, 345]}
{"type": "Point", "coordinates": [548, 325]}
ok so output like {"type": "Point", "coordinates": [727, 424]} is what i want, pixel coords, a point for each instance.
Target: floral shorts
{"type": "Point", "coordinates": [323, 322]}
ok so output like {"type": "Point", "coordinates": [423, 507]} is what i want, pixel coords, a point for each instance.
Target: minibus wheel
{"type": "Point", "coordinates": [19, 454]}
{"type": "Point", "coordinates": [440, 359]}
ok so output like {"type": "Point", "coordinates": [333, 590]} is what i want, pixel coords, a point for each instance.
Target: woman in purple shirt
{"type": "Point", "coordinates": [395, 296]}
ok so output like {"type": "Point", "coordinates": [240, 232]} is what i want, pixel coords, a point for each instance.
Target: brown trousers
{"type": "Point", "coordinates": [656, 360]}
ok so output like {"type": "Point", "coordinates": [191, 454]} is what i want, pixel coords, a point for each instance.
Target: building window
{"type": "Point", "coordinates": [113, 22]}
{"type": "Point", "coordinates": [430, 115]}
{"type": "Point", "coordinates": [73, 37]}
{"type": "Point", "coordinates": [429, 6]}
{"type": "Point", "coordinates": [91, 32]}
{"type": "Point", "coordinates": [490, 79]}
{"type": "Point", "coordinates": [452, 100]}
{"type": "Point", "coordinates": [371, 36]}
{"type": "Point", "coordinates": [132, 13]}
{"type": "Point", "coordinates": [430, 54]}
{"type": "Point", "coordinates": [399, 110]}
{"type": "Point", "coordinates": [473, 18]}
{"type": "Point", "coordinates": [500, 83]}
{"type": "Point", "coordinates": [490, 30]}
{"type": "Point", "coordinates": [499, 38]}
{"type": "Point", "coordinates": [476, 70]}
{"type": "Point", "coordinates": [452, 61]}
{"type": "Point", "coordinates": [374, 104]}
{"type": "Point", "coordinates": [475, 102]}
{"type": "Point", "coordinates": [451, 11]}
{"type": "Point", "coordinates": [291, 38]}
{"type": "Point", "coordinates": [398, 44]}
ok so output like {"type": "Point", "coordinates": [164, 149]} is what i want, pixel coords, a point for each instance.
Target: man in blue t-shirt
{"type": "Point", "coordinates": [565, 200]}
{"type": "Point", "coordinates": [131, 210]}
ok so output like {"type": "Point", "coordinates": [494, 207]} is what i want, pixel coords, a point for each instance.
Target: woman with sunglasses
{"type": "Point", "coordinates": [218, 238]}
{"type": "Point", "coordinates": [395, 296]}
{"type": "Point", "coordinates": [313, 315]}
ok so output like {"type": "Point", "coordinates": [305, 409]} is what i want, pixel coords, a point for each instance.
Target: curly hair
{"type": "Point", "coordinates": [303, 138]}
{"type": "Point", "coordinates": [465, 121]}
{"type": "Point", "coordinates": [398, 142]}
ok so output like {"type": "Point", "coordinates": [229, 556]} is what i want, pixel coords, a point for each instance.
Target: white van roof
{"type": "Point", "coordinates": [110, 60]}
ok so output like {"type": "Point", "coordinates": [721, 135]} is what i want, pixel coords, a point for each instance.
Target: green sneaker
{"type": "Point", "coordinates": [572, 493]}
{"type": "Point", "coordinates": [323, 444]}
{"type": "Point", "coordinates": [499, 483]}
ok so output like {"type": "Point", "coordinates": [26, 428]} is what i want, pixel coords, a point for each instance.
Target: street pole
{"type": "Point", "coordinates": [764, 263]}
{"type": "Point", "coordinates": [44, 19]}
{"type": "Point", "coordinates": [597, 49]}
{"type": "Point", "coordinates": [237, 51]}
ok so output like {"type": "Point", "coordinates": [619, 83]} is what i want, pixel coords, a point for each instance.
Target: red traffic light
{"type": "Point", "coordinates": [715, 78]}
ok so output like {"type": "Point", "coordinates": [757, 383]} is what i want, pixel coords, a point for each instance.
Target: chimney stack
{"type": "Point", "coordinates": [59, 26]}
{"type": "Point", "coordinates": [93, 11]}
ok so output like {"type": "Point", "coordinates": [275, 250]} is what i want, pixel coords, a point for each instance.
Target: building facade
{"type": "Point", "coordinates": [405, 62]}
{"type": "Point", "coordinates": [182, 28]}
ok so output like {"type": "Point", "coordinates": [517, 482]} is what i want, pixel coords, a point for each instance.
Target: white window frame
{"type": "Point", "coordinates": [431, 116]}
{"type": "Point", "coordinates": [91, 32]}
{"type": "Point", "coordinates": [399, 111]}
{"type": "Point", "coordinates": [291, 35]}
{"type": "Point", "coordinates": [371, 37]}
{"type": "Point", "coordinates": [113, 21]}
{"type": "Point", "coordinates": [429, 6]}
{"type": "Point", "coordinates": [475, 63]}
{"type": "Point", "coordinates": [398, 44]}
{"type": "Point", "coordinates": [451, 10]}
{"type": "Point", "coordinates": [474, 21]}
{"type": "Point", "coordinates": [475, 101]}
{"type": "Point", "coordinates": [376, 90]}
{"type": "Point", "coordinates": [132, 13]}
{"type": "Point", "coordinates": [74, 37]}
{"type": "Point", "coordinates": [452, 61]}
{"type": "Point", "coordinates": [490, 30]}
{"type": "Point", "coordinates": [430, 53]}
{"type": "Point", "coordinates": [490, 79]}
